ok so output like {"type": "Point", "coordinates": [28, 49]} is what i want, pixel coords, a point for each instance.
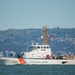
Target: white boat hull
{"type": "Point", "coordinates": [15, 61]}
{"type": "Point", "coordinates": [48, 61]}
{"type": "Point", "coordinates": [9, 61]}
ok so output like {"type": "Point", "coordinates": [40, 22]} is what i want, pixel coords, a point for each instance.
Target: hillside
{"type": "Point", "coordinates": [18, 39]}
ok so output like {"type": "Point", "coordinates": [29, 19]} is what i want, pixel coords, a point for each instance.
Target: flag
{"type": "Point", "coordinates": [52, 37]}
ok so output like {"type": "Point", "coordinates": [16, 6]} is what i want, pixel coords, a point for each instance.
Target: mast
{"type": "Point", "coordinates": [45, 35]}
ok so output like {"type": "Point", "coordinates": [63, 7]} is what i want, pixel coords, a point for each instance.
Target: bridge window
{"type": "Point", "coordinates": [44, 47]}
{"type": "Point", "coordinates": [38, 47]}
{"type": "Point", "coordinates": [41, 47]}
{"type": "Point", "coordinates": [47, 47]}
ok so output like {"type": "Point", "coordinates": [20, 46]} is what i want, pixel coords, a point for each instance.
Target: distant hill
{"type": "Point", "coordinates": [19, 39]}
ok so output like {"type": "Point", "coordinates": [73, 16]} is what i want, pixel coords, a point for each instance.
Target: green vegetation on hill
{"type": "Point", "coordinates": [17, 40]}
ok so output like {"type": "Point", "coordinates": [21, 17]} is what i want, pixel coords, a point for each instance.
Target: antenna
{"type": "Point", "coordinates": [45, 35]}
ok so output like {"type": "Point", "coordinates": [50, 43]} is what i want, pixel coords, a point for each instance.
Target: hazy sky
{"type": "Point", "coordinates": [23, 14]}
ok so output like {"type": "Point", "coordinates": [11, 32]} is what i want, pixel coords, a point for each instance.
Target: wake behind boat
{"type": "Point", "coordinates": [40, 55]}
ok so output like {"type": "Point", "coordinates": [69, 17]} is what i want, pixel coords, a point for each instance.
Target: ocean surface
{"type": "Point", "coordinates": [37, 70]}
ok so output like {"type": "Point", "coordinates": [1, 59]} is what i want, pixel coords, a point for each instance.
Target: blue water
{"type": "Point", "coordinates": [37, 70]}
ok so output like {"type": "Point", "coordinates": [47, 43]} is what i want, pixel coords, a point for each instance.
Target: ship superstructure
{"type": "Point", "coordinates": [40, 51]}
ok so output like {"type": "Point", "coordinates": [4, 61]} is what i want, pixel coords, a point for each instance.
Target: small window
{"type": "Point", "coordinates": [41, 47]}
{"type": "Point", "coordinates": [38, 47]}
{"type": "Point", "coordinates": [42, 54]}
{"type": "Point", "coordinates": [47, 47]}
{"type": "Point", "coordinates": [32, 54]}
{"type": "Point", "coordinates": [44, 47]}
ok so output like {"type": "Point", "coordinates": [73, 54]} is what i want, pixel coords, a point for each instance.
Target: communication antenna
{"type": "Point", "coordinates": [45, 36]}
